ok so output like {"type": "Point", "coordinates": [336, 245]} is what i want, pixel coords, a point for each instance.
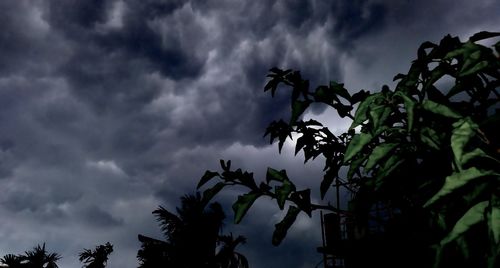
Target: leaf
{"type": "Point", "coordinates": [325, 185]}
{"type": "Point", "coordinates": [439, 109]}
{"type": "Point", "coordinates": [483, 35]}
{"type": "Point", "coordinates": [411, 78]}
{"type": "Point", "coordinates": [463, 131]}
{"type": "Point", "coordinates": [359, 96]}
{"type": "Point", "coordinates": [421, 50]}
{"type": "Point", "coordinates": [436, 74]}
{"type": "Point", "coordinates": [340, 90]}
{"type": "Point", "coordinates": [456, 181]}
{"type": "Point", "coordinates": [361, 112]}
{"type": "Point", "coordinates": [301, 142]}
{"type": "Point", "coordinates": [206, 177]}
{"type": "Point", "coordinates": [473, 216]}
{"type": "Point", "coordinates": [430, 137]}
{"type": "Point", "coordinates": [465, 50]}
{"type": "Point", "coordinates": [389, 166]}
{"type": "Point", "coordinates": [275, 175]}
{"type": "Point", "coordinates": [494, 220]}
{"type": "Point", "coordinates": [323, 94]}
{"type": "Point", "coordinates": [303, 200]}
{"type": "Point", "coordinates": [241, 206]}
{"type": "Point", "coordinates": [476, 68]}
{"type": "Point", "coordinates": [357, 144]}
{"type": "Point", "coordinates": [398, 76]}
{"type": "Point", "coordinates": [378, 115]}
{"type": "Point", "coordinates": [298, 108]}
{"type": "Point", "coordinates": [471, 155]}
{"type": "Point", "coordinates": [282, 192]}
{"type": "Point", "coordinates": [410, 108]}
{"type": "Point", "coordinates": [224, 166]}
{"type": "Point", "coordinates": [282, 227]}
{"type": "Point", "coordinates": [379, 153]}
{"type": "Point", "coordinates": [209, 193]}
{"type": "Point", "coordinates": [355, 164]}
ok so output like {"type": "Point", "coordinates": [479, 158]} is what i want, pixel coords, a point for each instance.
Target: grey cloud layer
{"type": "Point", "coordinates": [109, 108]}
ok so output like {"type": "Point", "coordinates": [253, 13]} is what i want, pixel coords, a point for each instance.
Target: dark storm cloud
{"type": "Point", "coordinates": [111, 108]}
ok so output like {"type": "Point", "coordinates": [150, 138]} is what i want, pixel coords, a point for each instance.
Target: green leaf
{"type": "Point", "coordinates": [358, 142]}
{"type": "Point", "coordinates": [410, 108]}
{"type": "Point", "coordinates": [463, 131]}
{"type": "Point", "coordinates": [378, 115]}
{"type": "Point", "coordinates": [298, 108]}
{"type": "Point", "coordinates": [282, 227]}
{"type": "Point", "coordinates": [275, 175]}
{"type": "Point", "coordinates": [476, 68]}
{"type": "Point", "coordinates": [362, 111]}
{"type": "Point", "coordinates": [465, 50]}
{"type": "Point", "coordinates": [494, 219]}
{"type": "Point", "coordinates": [379, 153]}
{"type": "Point", "coordinates": [241, 206]}
{"type": "Point", "coordinates": [207, 177]}
{"type": "Point", "coordinates": [471, 155]}
{"type": "Point", "coordinates": [472, 217]}
{"type": "Point", "coordinates": [430, 137]}
{"type": "Point", "coordinates": [439, 109]}
{"type": "Point", "coordinates": [436, 74]}
{"type": "Point", "coordinates": [282, 192]}
{"type": "Point", "coordinates": [208, 194]}
{"type": "Point", "coordinates": [456, 181]}
{"type": "Point", "coordinates": [355, 164]}
{"type": "Point", "coordinates": [388, 167]}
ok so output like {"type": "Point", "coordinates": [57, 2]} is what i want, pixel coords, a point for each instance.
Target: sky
{"type": "Point", "coordinates": [110, 108]}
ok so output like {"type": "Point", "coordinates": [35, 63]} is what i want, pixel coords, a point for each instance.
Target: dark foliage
{"type": "Point", "coordinates": [96, 258]}
{"type": "Point", "coordinates": [38, 257]}
{"type": "Point", "coordinates": [429, 154]}
{"type": "Point", "coordinates": [191, 237]}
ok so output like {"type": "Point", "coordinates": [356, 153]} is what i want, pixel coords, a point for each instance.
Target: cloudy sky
{"type": "Point", "coordinates": [111, 108]}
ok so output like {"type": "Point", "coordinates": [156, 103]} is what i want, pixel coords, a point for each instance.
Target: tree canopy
{"type": "Point", "coordinates": [427, 150]}
{"type": "Point", "coordinates": [193, 238]}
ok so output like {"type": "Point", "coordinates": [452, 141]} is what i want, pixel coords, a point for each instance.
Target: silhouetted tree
{"type": "Point", "coordinates": [38, 257]}
{"type": "Point", "coordinates": [227, 256]}
{"type": "Point", "coordinates": [12, 261]}
{"type": "Point", "coordinates": [191, 236]}
{"type": "Point", "coordinates": [96, 258]}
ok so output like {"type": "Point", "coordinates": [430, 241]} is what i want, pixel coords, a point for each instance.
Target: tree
{"type": "Point", "coordinates": [428, 151]}
{"type": "Point", "coordinates": [12, 261]}
{"type": "Point", "coordinates": [191, 238]}
{"type": "Point", "coordinates": [38, 257]}
{"type": "Point", "coordinates": [227, 256]}
{"type": "Point", "coordinates": [96, 258]}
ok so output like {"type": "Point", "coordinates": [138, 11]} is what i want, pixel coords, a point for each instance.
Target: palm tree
{"type": "Point", "coordinates": [38, 257]}
{"type": "Point", "coordinates": [97, 258]}
{"type": "Point", "coordinates": [12, 261]}
{"type": "Point", "coordinates": [227, 257]}
{"type": "Point", "coordinates": [191, 236]}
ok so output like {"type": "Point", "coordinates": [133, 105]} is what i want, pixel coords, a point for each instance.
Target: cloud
{"type": "Point", "coordinates": [111, 108]}
{"type": "Point", "coordinates": [108, 166]}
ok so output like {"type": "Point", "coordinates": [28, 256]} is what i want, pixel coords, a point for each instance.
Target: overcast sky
{"type": "Point", "coordinates": [111, 108]}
